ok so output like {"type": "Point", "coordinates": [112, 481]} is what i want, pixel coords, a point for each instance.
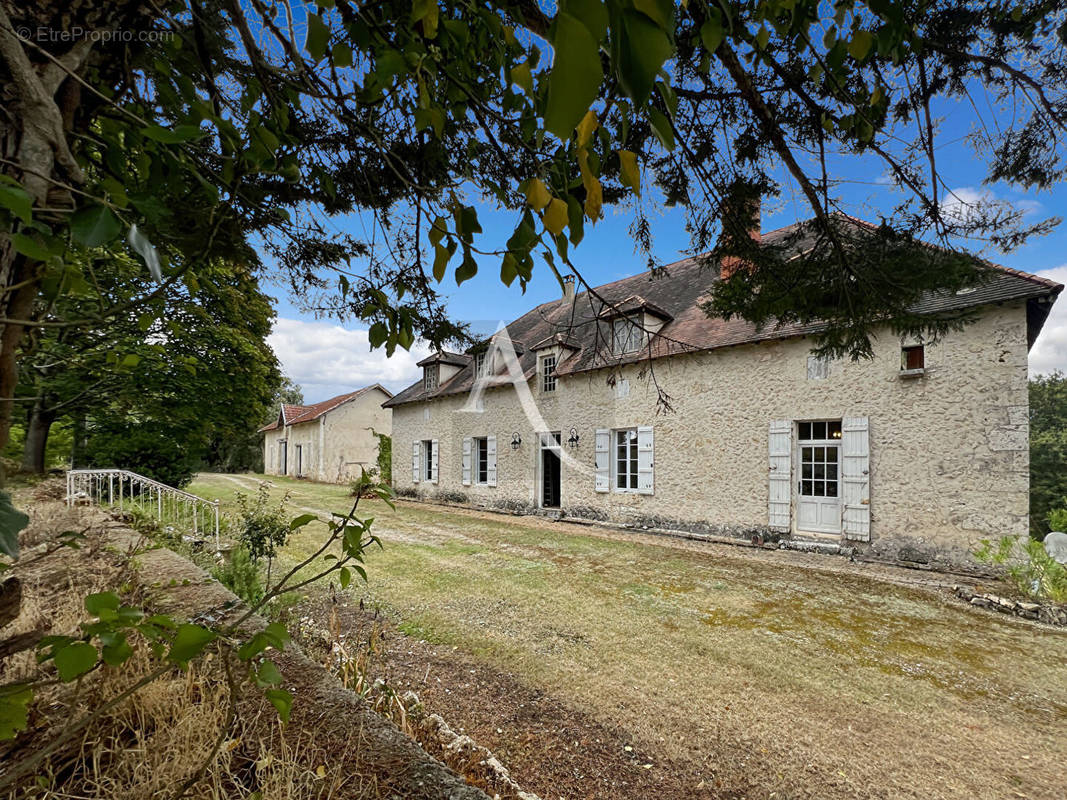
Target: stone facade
{"type": "Point", "coordinates": [948, 449]}
{"type": "Point", "coordinates": [334, 446]}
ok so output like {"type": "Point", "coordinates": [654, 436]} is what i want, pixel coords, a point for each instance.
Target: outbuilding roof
{"type": "Point", "coordinates": [295, 415]}
{"type": "Point", "coordinates": [677, 293]}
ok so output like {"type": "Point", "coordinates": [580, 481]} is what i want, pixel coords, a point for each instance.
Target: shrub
{"type": "Point", "coordinates": [240, 574]}
{"type": "Point", "coordinates": [1033, 571]}
{"type": "Point", "coordinates": [143, 449]}
{"type": "Point", "coordinates": [385, 458]}
{"type": "Point", "coordinates": [1057, 518]}
{"type": "Point", "coordinates": [260, 528]}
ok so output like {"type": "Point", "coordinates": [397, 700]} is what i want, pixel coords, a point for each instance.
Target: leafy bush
{"type": "Point", "coordinates": [1033, 571]}
{"type": "Point", "coordinates": [240, 574]}
{"type": "Point", "coordinates": [260, 528]}
{"type": "Point", "coordinates": [144, 449]}
{"type": "Point", "coordinates": [1057, 518]}
{"type": "Point", "coordinates": [385, 458]}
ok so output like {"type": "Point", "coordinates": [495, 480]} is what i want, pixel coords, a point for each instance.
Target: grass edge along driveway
{"type": "Point", "coordinates": [829, 684]}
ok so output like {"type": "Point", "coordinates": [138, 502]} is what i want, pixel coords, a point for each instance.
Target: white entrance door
{"type": "Point", "coordinates": [818, 476]}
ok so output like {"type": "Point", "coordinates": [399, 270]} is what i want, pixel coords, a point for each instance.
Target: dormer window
{"type": "Point", "coordinates": [626, 336]}
{"type": "Point", "coordinates": [548, 373]}
{"type": "Point", "coordinates": [429, 377]}
{"type": "Point", "coordinates": [481, 362]}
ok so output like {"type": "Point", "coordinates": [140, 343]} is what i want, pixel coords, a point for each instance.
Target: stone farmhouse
{"type": "Point", "coordinates": [331, 441]}
{"type": "Point", "coordinates": [917, 453]}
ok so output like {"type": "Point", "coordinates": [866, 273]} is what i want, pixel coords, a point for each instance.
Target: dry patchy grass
{"type": "Point", "coordinates": [825, 683]}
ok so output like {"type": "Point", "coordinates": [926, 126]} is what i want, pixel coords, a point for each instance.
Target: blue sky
{"type": "Point", "coordinates": [327, 359]}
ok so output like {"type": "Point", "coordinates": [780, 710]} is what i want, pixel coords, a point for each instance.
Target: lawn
{"type": "Point", "coordinates": [825, 684]}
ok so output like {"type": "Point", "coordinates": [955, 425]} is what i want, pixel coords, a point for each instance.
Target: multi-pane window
{"type": "Point", "coordinates": [626, 336]}
{"type": "Point", "coordinates": [429, 377]}
{"type": "Point", "coordinates": [820, 456]}
{"type": "Point", "coordinates": [626, 459]}
{"type": "Point", "coordinates": [548, 373]}
{"type": "Point", "coordinates": [481, 460]}
{"type": "Point", "coordinates": [427, 460]}
{"type": "Point", "coordinates": [480, 361]}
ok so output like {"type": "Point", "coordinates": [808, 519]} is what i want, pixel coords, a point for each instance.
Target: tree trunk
{"type": "Point", "coordinates": [40, 423]}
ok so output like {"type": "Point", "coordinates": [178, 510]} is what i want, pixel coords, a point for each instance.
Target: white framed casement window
{"type": "Point", "coordinates": [429, 377]}
{"type": "Point", "coordinates": [625, 461]}
{"type": "Point", "coordinates": [479, 461]}
{"type": "Point", "coordinates": [548, 373]}
{"type": "Point", "coordinates": [625, 336]}
{"type": "Point", "coordinates": [428, 466]}
{"type": "Point", "coordinates": [482, 364]}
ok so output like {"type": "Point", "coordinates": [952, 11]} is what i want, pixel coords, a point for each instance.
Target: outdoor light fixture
{"type": "Point", "coordinates": [516, 440]}
{"type": "Point", "coordinates": [573, 441]}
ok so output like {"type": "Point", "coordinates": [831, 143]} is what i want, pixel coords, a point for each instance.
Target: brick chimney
{"type": "Point", "coordinates": [749, 217]}
{"type": "Point", "coordinates": [568, 288]}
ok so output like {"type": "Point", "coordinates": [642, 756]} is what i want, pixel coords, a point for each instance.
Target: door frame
{"type": "Point", "coordinates": [540, 471]}
{"type": "Point", "coordinates": [283, 453]}
{"type": "Point", "coordinates": [797, 476]}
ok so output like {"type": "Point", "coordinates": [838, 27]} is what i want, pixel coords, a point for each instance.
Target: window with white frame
{"type": "Point", "coordinates": [626, 459]}
{"type": "Point", "coordinates": [429, 377]}
{"type": "Point", "coordinates": [481, 360]}
{"type": "Point", "coordinates": [427, 459]}
{"type": "Point", "coordinates": [548, 373]}
{"type": "Point", "coordinates": [481, 460]}
{"type": "Point", "coordinates": [625, 336]}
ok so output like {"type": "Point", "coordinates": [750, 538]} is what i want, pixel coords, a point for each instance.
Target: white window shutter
{"type": "Point", "coordinates": [490, 459]}
{"type": "Point", "coordinates": [780, 452]}
{"type": "Point", "coordinates": [603, 461]}
{"type": "Point", "coordinates": [855, 478]}
{"type": "Point", "coordinates": [467, 461]}
{"type": "Point", "coordinates": [416, 453]}
{"type": "Point", "coordinates": [645, 462]}
{"type": "Point", "coordinates": [433, 461]}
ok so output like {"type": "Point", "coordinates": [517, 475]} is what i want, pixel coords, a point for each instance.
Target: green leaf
{"type": "Point", "coordinates": [131, 360]}
{"type": "Point", "coordinates": [711, 33]}
{"type": "Point", "coordinates": [428, 12]}
{"type": "Point", "coordinates": [14, 717]}
{"type": "Point", "coordinates": [268, 674]}
{"type": "Point", "coordinates": [301, 521]}
{"type": "Point", "coordinates": [575, 77]}
{"type": "Point", "coordinates": [94, 226]}
{"type": "Point", "coordinates": [640, 49]}
{"type": "Point", "coordinates": [11, 522]}
{"type": "Point", "coordinates": [660, 11]}
{"type": "Point", "coordinates": [274, 635]}
{"type": "Point", "coordinates": [16, 199]}
{"type": "Point", "coordinates": [629, 171]}
{"type": "Point", "coordinates": [101, 602]}
{"type": "Point", "coordinates": [342, 55]}
{"type": "Point", "coordinates": [318, 37]}
{"type": "Point", "coordinates": [74, 660]}
{"type": "Point", "coordinates": [281, 700]}
{"type": "Point", "coordinates": [508, 269]}
{"type": "Point", "coordinates": [189, 642]}
{"type": "Point", "coordinates": [117, 651]}
{"type": "Point", "coordinates": [345, 577]}
{"type": "Point", "coordinates": [763, 37]}
{"type": "Point", "coordinates": [522, 76]}
{"type": "Point", "coordinates": [661, 126]}
{"type": "Point", "coordinates": [860, 45]}
{"type": "Point", "coordinates": [175, 135]}
{"type": "Point", "coordinates": [467, 269]}
{"type": "Point", "coordinates": [30, 247]}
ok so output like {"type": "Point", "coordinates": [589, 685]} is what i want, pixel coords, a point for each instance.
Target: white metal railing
{"type": "Point", "coordinates": [124, 489]}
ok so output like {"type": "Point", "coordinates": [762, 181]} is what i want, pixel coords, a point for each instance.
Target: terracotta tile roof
{"type": "Point", "coordinates": [295, 415]}
{"type": "Point", "coordinates": [677, 292]}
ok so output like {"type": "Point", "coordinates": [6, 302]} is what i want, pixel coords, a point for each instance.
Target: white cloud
{"type": "Point", "coordinates": [1050, 350]}
{"type": "Point", "coordinates": [328, 360]}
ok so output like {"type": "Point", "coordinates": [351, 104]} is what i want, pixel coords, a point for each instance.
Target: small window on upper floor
{"type": "Point", "coordinates": [913, 359]}
{"type": "Point", "coordinates": [625, 336]}
{"type": "Point", "coordinates": [481, 360]}
{"type": "Point", "coordinates": [548, 373]}
{"type": "Point", "coordinates": [429, 377]}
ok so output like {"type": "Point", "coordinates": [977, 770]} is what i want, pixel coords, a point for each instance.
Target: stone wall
{"type": "Point", "coordinates": [948, 450]}
{"type": "Point", "coordinates": [336, 445]}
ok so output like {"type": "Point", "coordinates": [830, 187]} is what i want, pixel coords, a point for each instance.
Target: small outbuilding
{"type": "Point", "coordinates": [331, 441]}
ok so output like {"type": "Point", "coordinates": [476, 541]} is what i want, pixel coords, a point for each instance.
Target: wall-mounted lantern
{"type": "Point", "coordinates": [516, 440]}
{"type": "Point", "coordinates": [573, 441]}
